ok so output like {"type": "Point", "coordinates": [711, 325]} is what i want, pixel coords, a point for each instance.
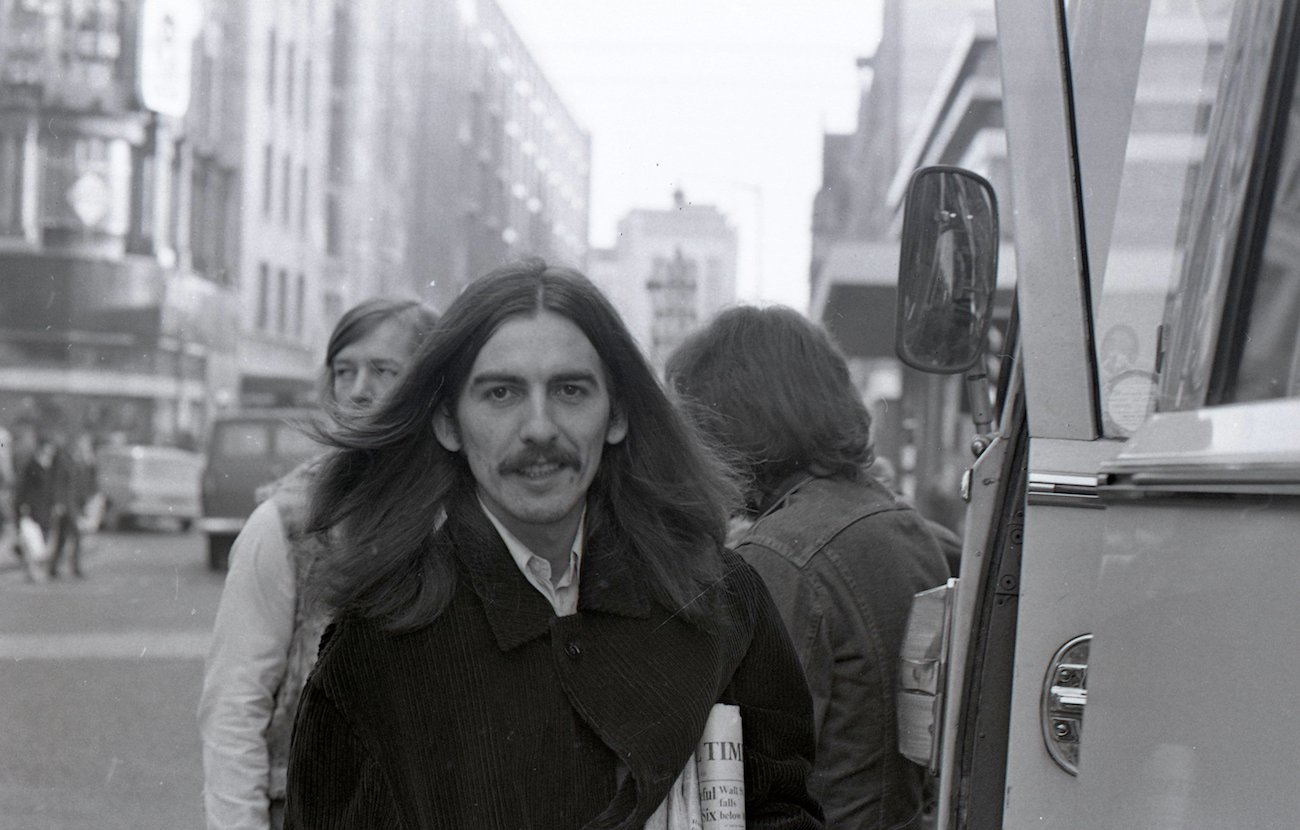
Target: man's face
{"type": "Point", "coordinates": [533, 420]}
{"type": "Point", "coordinates": [366, 368]}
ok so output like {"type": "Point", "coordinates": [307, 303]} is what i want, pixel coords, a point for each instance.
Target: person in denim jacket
{"type": "Point", "coordinates": [840, 553]}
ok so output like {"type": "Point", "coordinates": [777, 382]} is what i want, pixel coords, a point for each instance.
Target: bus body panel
{"type": "Point", "coordinates": [1171, 540]}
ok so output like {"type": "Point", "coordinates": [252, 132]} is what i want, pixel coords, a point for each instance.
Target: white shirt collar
{"type": "Point", "coordinates": [563, 595]}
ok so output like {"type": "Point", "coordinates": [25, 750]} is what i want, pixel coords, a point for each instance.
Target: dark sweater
{"type": "Point", "coordinates": [498, 714]}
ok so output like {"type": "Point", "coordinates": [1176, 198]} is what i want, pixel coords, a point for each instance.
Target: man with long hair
{"type": "Point", "coordinates": [535, 612]}
{"type": "Point", "coordinates": [841, 555]}
{"type": "Point", "coordinates": [268, 625]}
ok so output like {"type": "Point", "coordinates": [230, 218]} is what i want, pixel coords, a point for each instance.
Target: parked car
{"type": "Point", "coordinates": [147, 482]}
{"type": "Point", "coordinates": [245, 451]}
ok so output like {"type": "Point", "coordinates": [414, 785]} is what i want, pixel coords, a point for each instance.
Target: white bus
{"type": "Point", "coordinates": [1119, 648]}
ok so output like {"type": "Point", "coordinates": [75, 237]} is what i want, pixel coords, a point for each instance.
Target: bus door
{"type": "Point", "coordinates": [1190, 681]}
{"type": "Point", "coordinates": [1157, 203]}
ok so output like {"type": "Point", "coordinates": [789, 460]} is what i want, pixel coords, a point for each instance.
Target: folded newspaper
{"type": "Point", "coordinates": [710, 792]}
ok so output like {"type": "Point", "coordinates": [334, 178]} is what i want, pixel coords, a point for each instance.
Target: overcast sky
{"type": "Point", "coordinates": [727, 99]}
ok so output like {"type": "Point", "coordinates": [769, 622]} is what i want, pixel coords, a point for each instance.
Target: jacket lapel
{"type": "Point", "coordinates": [516, 611]}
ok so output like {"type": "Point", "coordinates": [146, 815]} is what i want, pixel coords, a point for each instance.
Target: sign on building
{"type": "Point", "coordinates": [167, 31]}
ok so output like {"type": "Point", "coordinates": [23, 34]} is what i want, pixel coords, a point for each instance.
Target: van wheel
{"type": "Point", "coordinates": [219, 550]}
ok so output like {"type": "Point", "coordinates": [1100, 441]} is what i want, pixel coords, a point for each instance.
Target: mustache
{"type": "Point", "coordinates": [533, 456]}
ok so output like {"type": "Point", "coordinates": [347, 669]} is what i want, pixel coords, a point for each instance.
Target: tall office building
{"type": "Point", "coordinates": [502, 166]}
{"type": "Point", "coordinates": [671, 269]}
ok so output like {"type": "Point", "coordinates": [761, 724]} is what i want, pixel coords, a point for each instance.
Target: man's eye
{"type": "Point", "coordinates": [571, 390]}
{"type": "Point", "coordinates": [343, 371]}
{"type": "Point", "coordinates": [499, 393]}
{"type": "Point", "coordinates": [387, 371]}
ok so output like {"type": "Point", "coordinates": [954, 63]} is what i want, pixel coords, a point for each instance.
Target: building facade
{"type": "Point", "coordinates": [670, 271]}
{"type": "Point", "coordinates": [191, 193]}
{"type": "Point", "coordinates": [116, 287]}
{"type": "Point", "coordinates": [502, 167]}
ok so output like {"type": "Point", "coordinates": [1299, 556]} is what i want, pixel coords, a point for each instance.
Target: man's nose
{"type": "Point", "coordinates": [539, 422]}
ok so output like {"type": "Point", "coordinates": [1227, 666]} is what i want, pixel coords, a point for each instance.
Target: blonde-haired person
{"type": "Point", "coordinates": [268, 627]}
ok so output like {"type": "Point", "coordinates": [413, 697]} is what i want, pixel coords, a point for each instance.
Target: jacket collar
{"type": "Point", "coordinates": [788, 487]}
{"type": "Point", "coordinates": [609, 582]}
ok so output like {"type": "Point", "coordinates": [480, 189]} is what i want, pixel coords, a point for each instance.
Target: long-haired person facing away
{"type": "Point", "coordinates": [841, 555]}
{"type": "Point", "coordinates": [535, 610]}
{"type": "Point", "coordinates": [268, 627]}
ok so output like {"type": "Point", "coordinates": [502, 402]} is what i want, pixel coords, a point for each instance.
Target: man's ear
{"type": "Point", "coordinates": [617, 429]}
{"type": "Point", "coordinates": [444, 427]}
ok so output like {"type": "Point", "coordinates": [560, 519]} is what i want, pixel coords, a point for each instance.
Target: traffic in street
{"type": "Point", "coordinates": [100, 683]}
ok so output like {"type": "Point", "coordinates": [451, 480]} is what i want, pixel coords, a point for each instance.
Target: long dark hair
{"type": "Point", "coordinates": [659, 490]}
{"type": "Point", "coordinates": [771, 388]}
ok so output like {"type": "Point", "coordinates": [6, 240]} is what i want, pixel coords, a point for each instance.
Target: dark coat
{"type": "Point", "coordinates": [499, 714]}
{"type": "Point", "coordinates": [47, 491]}
{"type": "Point", "coordinates": [843, 560]}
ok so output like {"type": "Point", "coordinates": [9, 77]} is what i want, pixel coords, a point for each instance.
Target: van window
{"type": "Point", "coordinates": [292, 442]}
{"type": "Point", "coordinates": [241, 440]}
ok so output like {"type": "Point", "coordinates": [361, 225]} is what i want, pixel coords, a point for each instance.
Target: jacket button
{"type": "Point", "coordinates": [573, 650]}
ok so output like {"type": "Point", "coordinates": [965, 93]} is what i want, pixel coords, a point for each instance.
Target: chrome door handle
{"type": "Point", "coordinates": [1065, 694]}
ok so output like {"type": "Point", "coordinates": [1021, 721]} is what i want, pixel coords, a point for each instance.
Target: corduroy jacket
{"type": "Point", "coordinates": [499, 714]}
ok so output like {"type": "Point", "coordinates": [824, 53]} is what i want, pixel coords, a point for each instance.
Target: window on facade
{"type": "Point", "coordinates": [286, 179]}
{"type": "Point", "coordinates": [337, 139]}
{"type": "Point", "coordinates": [263, 296]}
{"type": "Point", "coordinates": [226, 202]}
{"type": "Point", "coordinates": [290, 64]}
{"type": "Point", "coordinates": [271, 48]}
{"type": "Point", "coordinates": [333, 231]}
{"type": "Point", "coordinates": [282, 302]}
{"type": "Point", "coordinates": [11, 184]}
{"type": "Point", "coordinates": [341, 48]}
{"type": "Point", "coordinates": [200, 216]}
{"type": "Point", "coordinates": [306, 93]}
{"type": "Point", "coordinates": [299, 305]}
{"type": "Point", "coordinates": [176, 219]}
{"type": "Point", "coordinates": [268, 179]}
{"type": "Point", "coordinates": [333, 305]}
{"type": "Point", "coordinates": [302, 201]}
{"type": "Point", "coordinates": [141, 221]}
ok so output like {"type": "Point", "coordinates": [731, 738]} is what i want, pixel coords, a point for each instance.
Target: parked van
{"type": "Point", "coordinates": [245, 451]}
{"type": "Point", "coordinates": [141, 482]}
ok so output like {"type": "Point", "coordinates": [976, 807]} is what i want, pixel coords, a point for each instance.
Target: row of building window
{"type": "Point", "coordinates": [278, 312]}
{"type": "Point", "coordinates": [290, 77]}
{"type": "Point", "coordinates": [285, 190]}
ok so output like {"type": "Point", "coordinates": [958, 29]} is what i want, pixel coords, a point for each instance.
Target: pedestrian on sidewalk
{"type": "Point", "coordinates": [268, 624]}
{"type": "Point", "coordinates": [47, 495]}
{"type": "Point", "coordinates": [536, 610]}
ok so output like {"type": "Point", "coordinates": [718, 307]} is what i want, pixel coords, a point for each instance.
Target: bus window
{"type": "Point", "coordinates": [1141, 158]}
{"type": "Point", "coordinates": [1269, 363]}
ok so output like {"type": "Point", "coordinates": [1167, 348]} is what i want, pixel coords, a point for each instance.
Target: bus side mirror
{"type": "Point", "coordinates": [947, 270]}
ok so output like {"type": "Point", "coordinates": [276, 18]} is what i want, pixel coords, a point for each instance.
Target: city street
{"type": "Point", "coordinates": [99, 686]}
